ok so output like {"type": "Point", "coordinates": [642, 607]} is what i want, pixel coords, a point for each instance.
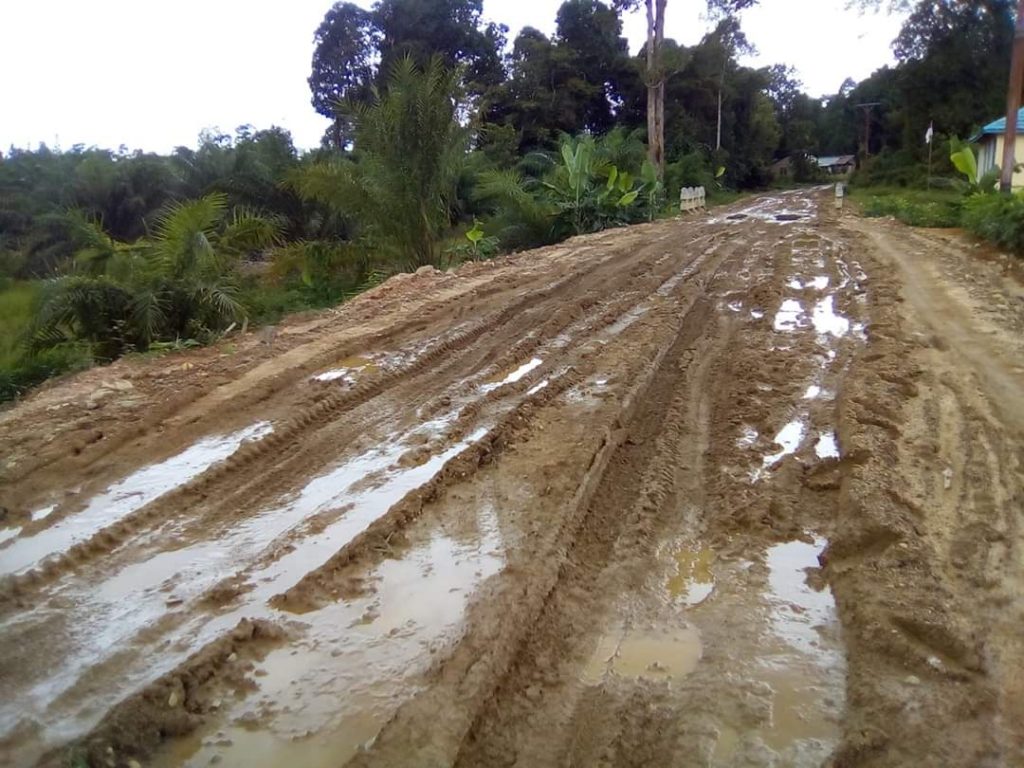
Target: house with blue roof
{"type": "Point", "coordinates": [990, 147]}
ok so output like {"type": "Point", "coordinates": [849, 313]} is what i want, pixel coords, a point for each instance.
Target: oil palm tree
{"type": "Point", "coordinates": [179, 283]}
{"type": "Point", "coordinates": [400, 184]}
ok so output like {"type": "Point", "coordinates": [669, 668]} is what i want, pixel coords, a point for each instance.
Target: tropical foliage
{"type": "Point", "coordinates": [180, 283]}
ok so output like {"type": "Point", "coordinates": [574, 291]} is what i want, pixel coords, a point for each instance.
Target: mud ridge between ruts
{"type": "Point", "coordinates": [282, 448]}
{"type": "Point", "coordinates": [499, 623]}
{"type": "Point", "coordinates": [317, 588]}
{"type": "Point", "coordinates": [172, 705]}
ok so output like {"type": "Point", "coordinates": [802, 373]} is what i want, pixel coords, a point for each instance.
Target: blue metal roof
{"type": "Point", "coordinates": [999, 126]}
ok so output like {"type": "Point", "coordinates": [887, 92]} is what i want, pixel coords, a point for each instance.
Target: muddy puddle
{"type": "Point", "coordinates": [652, 654]}
{"type": "Point", "coordinates": [693, 580]}
{"type": "Point", "coordinates": [318, 699]}
{"type": "Point", "coordinates": [349, 369]}
{"type": "Point", "coordinates": [749, 648]}
{"type": "Point", "coordinates": [123, 498]}
{"type": "Point", "coordinates": [785, 208]}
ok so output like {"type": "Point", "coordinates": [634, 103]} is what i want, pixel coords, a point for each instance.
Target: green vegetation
{"type": "Point", "coordinates": [21, 368]}
{"type": "Point", "coordinates": [998, 218]}
{"type": "Point", "coordinates": [918, 208]}
{"type": "Point", "coordinates": [449, 143]}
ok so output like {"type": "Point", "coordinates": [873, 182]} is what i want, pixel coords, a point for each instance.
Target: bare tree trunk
{"type": "Point", "coordinates": [656, 85]}
{"type": "Point", "coordinates": [1013, 103]}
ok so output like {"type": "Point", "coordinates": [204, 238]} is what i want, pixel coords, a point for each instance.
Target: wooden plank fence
{"type": "Point", "coordinates": [692, 199]}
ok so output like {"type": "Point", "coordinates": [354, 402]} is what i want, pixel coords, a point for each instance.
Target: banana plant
{"type": "Point", "coordinates": [964, 160]}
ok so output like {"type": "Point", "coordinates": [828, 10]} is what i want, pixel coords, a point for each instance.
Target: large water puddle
{"type": "Point", "coordinates": [125, 497]}
{"type": "Point", "coordinates": [320, 698]}
{"type": "Point", "coordinates": [795, 669]}
{"type": "Point", "coordinates": [785, 208]}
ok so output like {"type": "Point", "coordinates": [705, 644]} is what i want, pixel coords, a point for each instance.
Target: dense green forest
{"type": "Point", "coordinates": [447, 142]}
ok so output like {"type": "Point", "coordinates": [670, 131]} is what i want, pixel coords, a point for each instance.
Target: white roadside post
{"type": "Point", "coordinates": [840, 193]}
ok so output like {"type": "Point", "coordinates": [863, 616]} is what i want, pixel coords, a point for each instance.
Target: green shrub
{"type": "Point", "coordinates": [997, 218]}
{"type": "Point", "coordinates": [916, 213]}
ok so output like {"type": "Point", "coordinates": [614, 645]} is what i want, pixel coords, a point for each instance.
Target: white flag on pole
{"type": "Point", "coordinates": [929, 134]}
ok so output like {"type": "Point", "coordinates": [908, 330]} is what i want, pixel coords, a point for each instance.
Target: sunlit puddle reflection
{"type": "Point", "coordinates": [512, 377]}
{"type": "Point", "coordinates": [790, 316]}
{"type": "Point", "coordinates": [124, 497]}
{"type": "Point", "coordinates": [799, 609]}
{"type": "Point", "coordinates": [654, 655]}
{"type": "Point", "coordinates": [319, 699]}
{"type": "Point", "coordinates": [788, 439]}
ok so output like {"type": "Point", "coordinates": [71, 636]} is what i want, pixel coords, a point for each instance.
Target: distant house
{"type": "Point", "coordinates": [781, 169]}
{"type": "Point", "coordinates": [837, 165]}
{"type": "Point", "coordinates": [990, 147]}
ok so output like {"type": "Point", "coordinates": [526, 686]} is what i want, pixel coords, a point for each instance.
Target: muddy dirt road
{"type": "Point", "coordinates": [739, 490]}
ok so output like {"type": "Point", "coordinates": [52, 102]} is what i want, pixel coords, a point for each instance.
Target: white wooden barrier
{"type": "Point", "coordinates": [692, 199]}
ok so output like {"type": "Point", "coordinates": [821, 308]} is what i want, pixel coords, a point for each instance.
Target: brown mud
{"type": "Point", "coordinates": [736, 490]}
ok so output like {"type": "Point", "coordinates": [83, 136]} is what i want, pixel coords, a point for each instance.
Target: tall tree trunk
{"type": "Point", "coordinates": [656, 85]}
{"type": "Point", "coordinates": [1013, 103]}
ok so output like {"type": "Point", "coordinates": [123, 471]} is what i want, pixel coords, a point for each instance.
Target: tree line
{"type": "Point", "coordinates": [447, 141]}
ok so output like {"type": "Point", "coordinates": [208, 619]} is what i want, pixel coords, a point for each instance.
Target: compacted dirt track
{"type": "Point", "coordinates": [736, 490]}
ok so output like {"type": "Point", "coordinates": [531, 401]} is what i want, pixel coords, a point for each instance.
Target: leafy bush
{"type": "Point", "coordinates": [998, 218]}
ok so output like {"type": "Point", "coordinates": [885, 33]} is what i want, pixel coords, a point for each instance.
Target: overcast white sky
{"type": "Point", "coordinates": [151, 74]}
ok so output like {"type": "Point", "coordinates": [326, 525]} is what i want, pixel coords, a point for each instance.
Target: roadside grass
{"type": "Point", "coordinates": [940, 208]}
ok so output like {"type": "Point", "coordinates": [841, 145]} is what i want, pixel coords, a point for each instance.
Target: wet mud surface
{"type": "Point", "coordinates": [736, 490]}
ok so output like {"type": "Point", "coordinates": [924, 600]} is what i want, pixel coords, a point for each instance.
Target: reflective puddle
{"type": "Point", "coordinates": [124, 497]}
{"type": "Point", "coordinates": [827, 321]}
{"type": "Point", "coordinates": [693, 581]}
{"type": "Point", "coordinates": [789, 316]}
{"type": "Point", "coordinates": [827, 447]}
{"type": "Point", "coordinates": [117, 613]}
{"type": "Point", "coordinates": [799, 610]}
{"type": "Point", "coordinates": [789, 439]}
{"type": "Point", "coordinates": [512, 377]}
{"type": "Point", "coordinates": [9, 533]}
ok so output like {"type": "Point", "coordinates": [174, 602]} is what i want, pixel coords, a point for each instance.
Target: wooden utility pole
{"type": "Point", "coordinates": [1013, 95]}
